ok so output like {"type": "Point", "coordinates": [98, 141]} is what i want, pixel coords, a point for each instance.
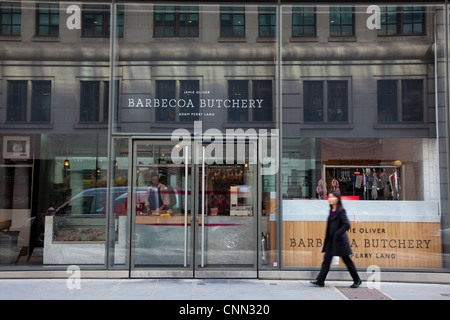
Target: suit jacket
{"type": "Point", "coordinates": [336, 241]}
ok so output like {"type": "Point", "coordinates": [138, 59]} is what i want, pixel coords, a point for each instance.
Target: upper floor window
{"type": "Point", "coordinates": [249, 100]}
{"type": "Point", "coordinates": [10, 18]}
{"type": "Point", "coordinates": [94, 101]}
{"type": "Point", "coordinates": [96, 21]}
{"type": "Point", "coordinates": [303, 21]}
{"type": "Point", "coordinates": [176, 21]}
{"type": "Point", "coordinates": [400, 100]}
{"type": "Point", "coordinates": [325, 101]}
{"type": "Point", "coordinates": [342, 21]}
{"type": "Point", "coordinates": [47, 19]}
{"type": "Point", "coordinates": [408, 20]}
{"type": "Point", "coordinates": [232, 21]}
{"type": "Point", "coordinates": [169, 91]}
{"type": "Point", "coordinates": [21, 109]}
{"type": "Point", "coordinates": [267, 21]}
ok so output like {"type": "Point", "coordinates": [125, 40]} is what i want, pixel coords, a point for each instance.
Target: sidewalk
{"type": "Point", "coordinates": [212, 289]}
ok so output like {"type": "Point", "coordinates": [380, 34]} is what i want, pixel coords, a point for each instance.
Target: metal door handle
{"type": "Point", "coordinates": [186, 172]}
{"type": "Point", "coordinates": [203, 209]}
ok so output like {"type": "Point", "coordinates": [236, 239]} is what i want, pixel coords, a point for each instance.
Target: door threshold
{"type": "Point", "coordinates": [184, 274]}
{"type": "Point", "coordinates": [226, 274]}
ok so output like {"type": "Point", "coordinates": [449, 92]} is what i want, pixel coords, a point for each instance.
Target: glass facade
{"type": "Point", "coordinates": [200, 139]}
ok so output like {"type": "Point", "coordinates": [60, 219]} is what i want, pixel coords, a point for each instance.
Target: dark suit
{"type": "Point", "coordinates": [336, 244]}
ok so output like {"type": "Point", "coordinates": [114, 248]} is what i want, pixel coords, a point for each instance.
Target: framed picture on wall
{"type": "Point", "coordinates": [16, 147]}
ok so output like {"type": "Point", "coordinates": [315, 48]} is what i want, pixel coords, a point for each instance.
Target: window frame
{"type": "Point", "coordinates": [400, 101]}
{"type": "Point", "coordinates": [12, 9]}
{"type": "Point", "coordinates": [326, 103]}
{"type": "Point", "coordinates": [177, 25]}
{"type": "Point", "coordinates": [340, 24]}
{"type": "Point", "coordinates": [101, 112]}
{"type": "Point", "coordinates": [251, 93]}
{"type": "Point", "coordinates": [265, 13]}
{"type": "Point", "coordinates": [30, 104]}
{"type": "Point", "coordinates": [233, 11]}
{"type": "Point", "coordinates": [180, 92]}
{"type": "Point", "coordinates": [105, 12]}
{"type": "Point", "coordinates": [400, 21]}
{"type": "Point", "coordinates": [301, 14]}
{"type": "Point", "coordinates": [53, 10]}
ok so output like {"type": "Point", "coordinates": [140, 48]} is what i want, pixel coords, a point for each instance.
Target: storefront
{"type": "Point", "coordinates": [200, 140]}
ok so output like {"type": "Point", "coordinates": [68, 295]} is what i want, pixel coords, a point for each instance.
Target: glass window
{"type": "Point", "coordinates": [336, 108]}
{"type": "Point", "coordinates": [96, 21]}
{"type": "Point", "coordinates": [313, 101]}
{"type": "Point", "coordinates": [249, 100]}
{"type": "Point", "coordinates": [303, 21]}
{"type": "Point", "coordinates": [174, 21]}
{"type": "Point", "coordinates": [262, 91]}
{"type": "Point", "coordinates": [341, 21]}
{"type": "Point", "coordinates": [408, 20]}
{"type": "Point", "coordinates": [164, 21]}
{"type": "Point", "coordinates": [10, 18]}
{"type": "Point", "coordinates": [413, 20]}
{"type": "Point", "coordinates": [188, 21]}
{"type": "Point", "coordinates": [94, 101]}
{"type": "Point", "coordinates": [47, 19]}
{"type": "Point", "coordinates": [232, 21]}
{"type": "Point", "coordinates": [337, 101]}
{"type": "Point", "coordinates": [189, 91]}
{"type": "Point", "coordinates": [237, 90]}
{"type": "Point", "coordinates": [165, 89]}
{"type": "Point", "coordinates": [89, 101]}
{"type": "Point", "coordinates": [16, 105]}
{"type": "Point", "coordinates": [412, 100]}
{"type": "Point", "coordinates": [267, 21]}
{"type": "Point", "coordinates": [41, 101]}
{"type": "Point", "coordinates": [387, 100]}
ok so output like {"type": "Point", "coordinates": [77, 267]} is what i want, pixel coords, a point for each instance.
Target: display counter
{"type": "Point", "coordinates": [399, 234]}
{"type": "Point", "coordinates": [81, 239]}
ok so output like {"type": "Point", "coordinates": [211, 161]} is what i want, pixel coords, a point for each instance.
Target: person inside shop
{"type": "Point", "coordinates": [336, 241]}
{"type": "Point", "coordinates": [157, 197]}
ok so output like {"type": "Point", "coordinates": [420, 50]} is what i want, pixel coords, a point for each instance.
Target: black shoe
{"type": "Point", "coordinates": [356, 284]}
{"type": "Point", "coordinates": [318, 283]}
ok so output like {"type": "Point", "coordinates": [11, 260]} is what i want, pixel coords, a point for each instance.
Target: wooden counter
{"type": "Point", "coordinates": [162, 220]}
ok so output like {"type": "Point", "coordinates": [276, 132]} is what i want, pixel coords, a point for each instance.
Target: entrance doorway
{"type": "Point", "coordinates": [195, 212]}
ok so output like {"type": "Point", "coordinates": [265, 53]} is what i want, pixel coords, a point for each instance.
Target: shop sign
{"type": "Point", "coordinates": [188, 103]}
{"type": "Point", "coordinates": [385, 244]}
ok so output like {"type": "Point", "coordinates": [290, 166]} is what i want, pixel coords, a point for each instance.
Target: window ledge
{"type": "Point", "coordinates": [232, 39]}
{"type": "Point", "coordinates": [342, 39]}
{"type": "Point", "coordinates": [253, 124]}
{"type": "Point", "coordinates": [326, 125]}
{"type": "Point", "coordinates": [10, 38]}
{"type": "Point", "coordinates": [266, 39]}
{"type": "Point", "coordinates": [45, 39]}
{"type": "Point", "coordinates": [26, 125]}
{"type": "Point", "coordinates": [402, 37]}
{"type": "Point", "coordinates": [402, 125]}
{"type": "Point", "coordinates": [92, 125]}
{"type": "Point", "coordinates": [305, 39]}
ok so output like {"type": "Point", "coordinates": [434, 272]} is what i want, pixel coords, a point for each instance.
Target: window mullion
{"type": "Point", "coordinates": [325, 102]}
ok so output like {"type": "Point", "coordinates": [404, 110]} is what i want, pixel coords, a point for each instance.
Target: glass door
{"type": "Point", "coordinates": [226, 236]}
{"type": "Point", "coordinates": [210, 232]}
{"type": "Point", "coordinates": [161, 235]}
